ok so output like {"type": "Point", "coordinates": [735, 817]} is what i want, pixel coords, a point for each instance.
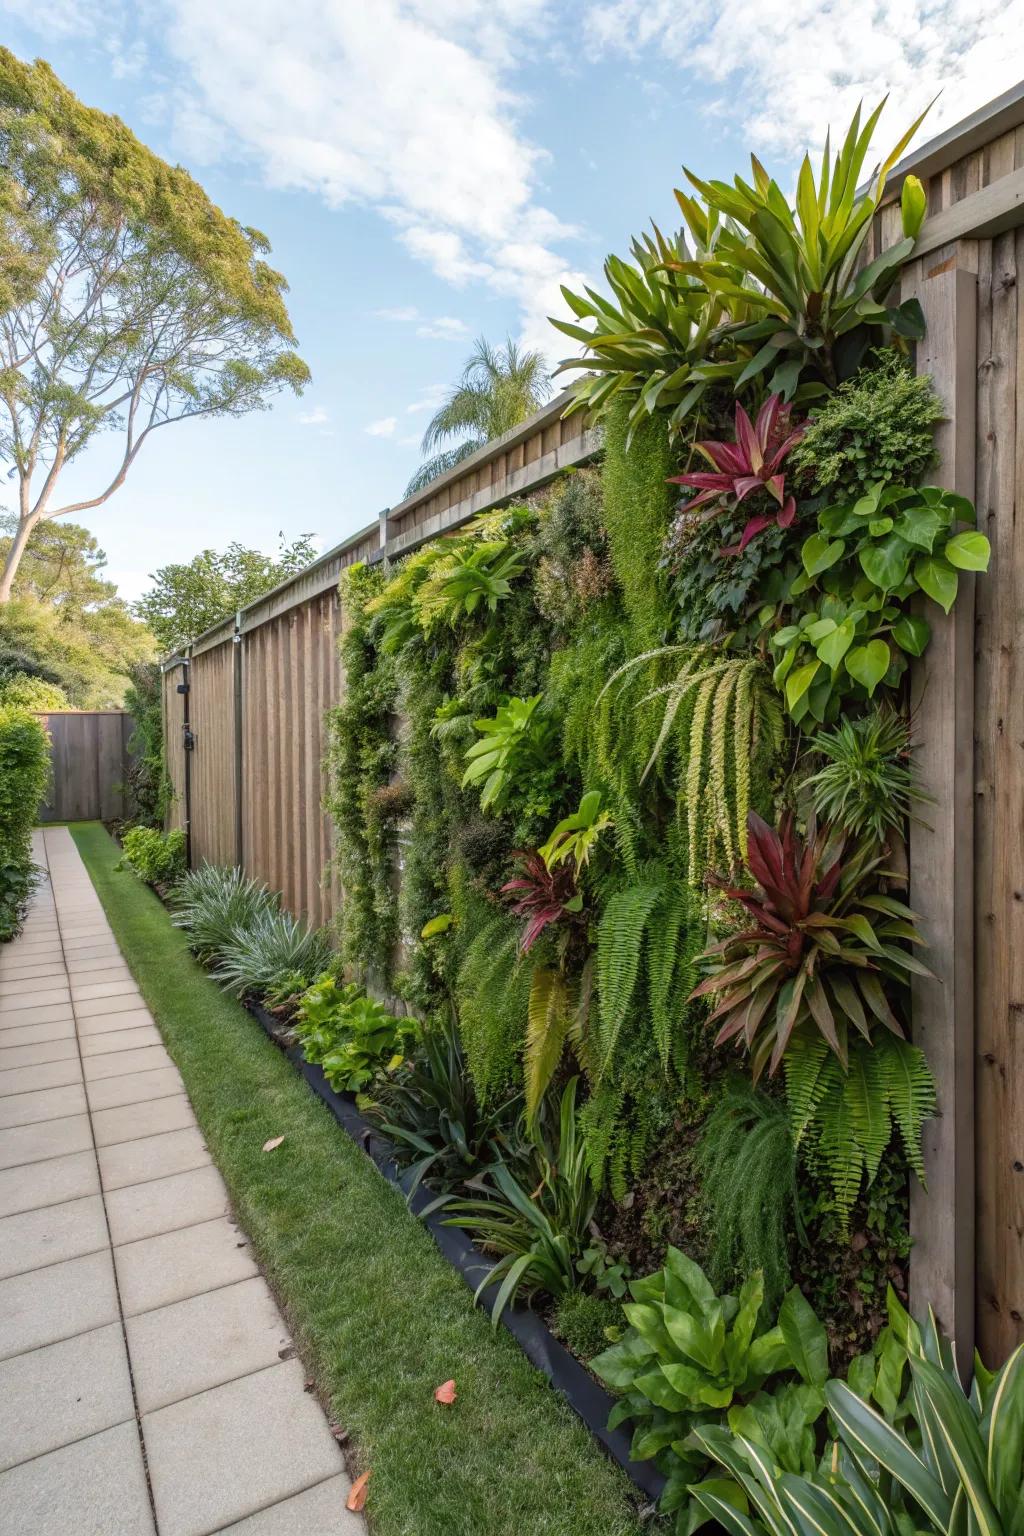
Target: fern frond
{"type": "Point", "coordinates": [619, 943]}
{"type": "Point", "coordinates": [867, 1094]}
{"type": "Point", "coordinates": [911, 1092]}
{"type": "Point", "coordinates": [549, 1019]}
{"type": "Point", "coordinates": [720, 762]}
{"type": "Point", "coordinates": [808, 1068]}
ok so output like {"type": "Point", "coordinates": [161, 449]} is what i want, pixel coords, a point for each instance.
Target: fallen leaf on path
{"type": "Point", "coordinates": [357, 1493]}
{"type": "Point", "coordinates": [275, 1141]}
{"type": "Point", "coordinates": [446, 1392]}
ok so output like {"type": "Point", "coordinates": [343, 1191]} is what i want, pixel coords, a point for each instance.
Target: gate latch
{"type": "Point", "coordinates": [188, 740]}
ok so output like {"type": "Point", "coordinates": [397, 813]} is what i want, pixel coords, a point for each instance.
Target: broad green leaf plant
{"type": "Point", "coordinates": [852, 626]}
{"type": "Point", "coordinates": [769, 296]}
{"type": "Point", "coordinates": [692, 1357]}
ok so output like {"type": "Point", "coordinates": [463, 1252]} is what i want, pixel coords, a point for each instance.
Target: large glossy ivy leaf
{"type": "Point", "coordinates": [868, 664]}
{"type": "Point", "coordinates": [886, 563]}
{"type": "Point", "coordinates": [921, 524]}
{"type": "Point", "coordinates": [819, 553]}
{"type": "Point", "coordinates": [834, 646]}
{"type": "Point", "coordinates": [938, 579]}
{"type": "Point", "coordinates": [912, 634]}
{"type": "Point", "coordinates": [799, 681]}
{"type": "Point", "coordinates": [968, 551]}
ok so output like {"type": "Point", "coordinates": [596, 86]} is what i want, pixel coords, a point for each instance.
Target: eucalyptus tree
{"type": "Point", "coordinates": [499, 387]}
{"type": "Point", "coordinates": [128, 301]}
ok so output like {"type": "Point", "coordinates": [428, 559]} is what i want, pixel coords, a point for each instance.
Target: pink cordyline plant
{"type": "Point", "coordinates": [541, 895]}
{"type": "Point", "coordinates": [752, 463]}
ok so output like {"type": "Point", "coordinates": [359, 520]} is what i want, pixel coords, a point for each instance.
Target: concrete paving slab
{"type": "Point", "coordinates": [40, 998]}
{"type": "Point", "coordinates": [134, 1087]}
{"type": "Point", "coordinates": [48, 1104]}
{"type": "Point", "coordinates": [105, 1041]}
{"type": "Point", "coordinates": [96, 1487]}
{"type": "Point", "coordinates": [49, 1074]}
{"type": "Point", "coordinates": [32, 1186]}
{"type": "Point", "coordinates": [203, 1342]}
{"type": "Point", "coordinates": [123, 1062]}
{"type": "Point", "coordinates": [320, 1511]}
{"type": "Point", "coordinates": [28, 987]}
{"type": "Point", "coordinates": [31, 1034]}
{"type": "Point", "coordinates": [89, 1007]}
{"type": "Point", "coordinates": [111, 1023]}
{"type": "Point", "coordinates": [31, 1055]}
{"type": "Point", "coordinates": [132, 1122]}
{"type": "Point", "coordinates": [236, 1449]}
{"type": "Point", "coordinates": [159, 1270]}
{"type": "Point", "coordinates": [165, 1205]}
{"type": "Point", "coordinates": [62, 1393]}
{"type": "Point", "coordinates": [29, 970]}
{"type": "Point", "coordinates": [44, 1015]}
{"type": "Point", "coordinates": [50, 1138]}
{"type": "Point", "coordinates": [33, 1239]}
{"type": "Point", "coordinates": [46, 1305]}
{"type": "Point", "coordinates": [152, 1157]}
{"type": "Point", "coordinates": [117, 986]}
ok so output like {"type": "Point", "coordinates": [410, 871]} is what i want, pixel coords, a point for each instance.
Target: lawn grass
{"type": "Point", "coordinates": [378, 1315]}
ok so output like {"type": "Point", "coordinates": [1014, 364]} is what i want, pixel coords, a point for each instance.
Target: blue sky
{"type": "Point", "coordinates": [428, 170]}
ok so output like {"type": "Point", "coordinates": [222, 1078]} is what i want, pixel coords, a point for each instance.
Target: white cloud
{"type": "Point", "coordinates": [385, 427]}
{"type": "Point", "coordinates": [443, 328]}
{"type": "Point", "coordinates": [788, 68]}
{"type": "Point", "coordinates": [405, 105]}
{"type": "Point", "coordinates": [317, 417]}
{"type": "Point", "coordinates": [440, 328]}
{"type": "Point", "coordinates": [429, 400]}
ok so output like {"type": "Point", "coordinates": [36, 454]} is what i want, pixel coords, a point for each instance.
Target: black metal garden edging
{"type": "Point", "coordinates": [565, 1373]}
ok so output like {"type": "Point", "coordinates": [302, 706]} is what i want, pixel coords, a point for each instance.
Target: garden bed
{"type": "Point", "coordinates": [568, 1377]}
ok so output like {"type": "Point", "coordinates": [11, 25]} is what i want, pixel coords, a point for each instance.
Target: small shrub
{"type": "Point", "coordinates": [880, 425]}
{"type": "Point", "coordinates": [266, 953]}
{"type": "Point", "coordinates": [582, 1322]}
{"type": "Point", "coordinates": [24, 767]}
{"type": "Point", "coordinates": [350, 1035]}
{"type": "Point", "coordinates": [19, 690]}
{"type": "Point", "coordinates": [156, 857]}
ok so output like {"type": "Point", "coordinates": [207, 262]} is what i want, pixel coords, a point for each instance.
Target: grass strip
{"type": "Point", "coordinates": [378, 1315]}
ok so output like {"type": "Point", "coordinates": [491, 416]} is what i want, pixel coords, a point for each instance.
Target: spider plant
{"type": "Point", "coordinates": [256, 959]}
{"type": "Point", "coordinates": [866, 784]}
{"type": "Point", "coordinates": [214, 905]}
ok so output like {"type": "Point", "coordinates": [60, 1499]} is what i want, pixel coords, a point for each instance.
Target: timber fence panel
{"type": "Point", "coordinates": [90, 761]}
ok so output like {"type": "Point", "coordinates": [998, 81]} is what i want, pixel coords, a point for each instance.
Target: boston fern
{"type": "Point", "coordinates": [844, 1118]}
{"type": "Point", "coordinates": [822, 941]}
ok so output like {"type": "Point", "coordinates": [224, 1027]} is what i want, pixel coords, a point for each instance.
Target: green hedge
{"type": "Point", "coordinates": [24, 769]}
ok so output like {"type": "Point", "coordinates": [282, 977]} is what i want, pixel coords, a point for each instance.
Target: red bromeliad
{"type": "Point", "coordinates": [823, 936]}
{"type": "Point", "coordinates": [751, 463]}
{"type": "Point", "coordinates": [543, 896]}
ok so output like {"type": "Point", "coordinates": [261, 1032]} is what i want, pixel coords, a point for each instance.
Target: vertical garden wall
{"type": "Point", "coordinates": [536, 612]}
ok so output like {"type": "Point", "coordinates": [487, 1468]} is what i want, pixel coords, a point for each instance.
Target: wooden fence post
{"type": "Point", "coordinates": [942, 846]}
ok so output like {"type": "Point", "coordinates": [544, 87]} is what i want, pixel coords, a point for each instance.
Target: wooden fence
{"type": "Point", "coordinates": [259, 685]}
{"type": "Point", "coordinates": [90, 760]}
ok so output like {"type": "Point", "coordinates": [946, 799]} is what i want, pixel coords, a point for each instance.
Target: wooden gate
{"type": "Point", "coordinates": [90, 762]}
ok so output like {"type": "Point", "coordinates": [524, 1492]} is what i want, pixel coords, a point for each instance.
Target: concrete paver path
{"type": "Point", "coordinates": [142, 1386]}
